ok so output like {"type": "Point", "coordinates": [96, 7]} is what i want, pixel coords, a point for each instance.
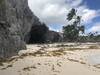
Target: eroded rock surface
{"type": "Point", "coordinates": [16, 20]}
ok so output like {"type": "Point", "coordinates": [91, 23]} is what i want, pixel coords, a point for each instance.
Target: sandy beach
{"type": "Point", "coordinates": [55, 59]}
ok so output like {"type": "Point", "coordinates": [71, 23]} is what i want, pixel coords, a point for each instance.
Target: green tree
{"type": "Point", "coordinates": [71, 31]}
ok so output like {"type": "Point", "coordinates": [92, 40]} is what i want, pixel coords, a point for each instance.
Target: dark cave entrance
{"type": "Point", "coordinates": [37, 34]}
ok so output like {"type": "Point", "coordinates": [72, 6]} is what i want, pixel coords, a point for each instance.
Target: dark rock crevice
{"type": "Point", "coordinates": [37, 34]}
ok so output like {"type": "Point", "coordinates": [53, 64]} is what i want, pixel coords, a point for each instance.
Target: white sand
{"type": "Point", "coordinates": [78, 62]}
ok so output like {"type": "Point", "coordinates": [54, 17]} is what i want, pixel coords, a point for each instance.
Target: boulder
{"type": "Point", "coordinates": [53, 36]}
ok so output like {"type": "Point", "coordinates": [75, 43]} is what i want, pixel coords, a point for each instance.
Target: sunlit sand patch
{"type": "Point", "coordinates": [52, 60]}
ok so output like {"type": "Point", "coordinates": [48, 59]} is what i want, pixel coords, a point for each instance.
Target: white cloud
{"type": "Point", "coordinates": [74, 3]}
{"type": "Point", "coordinates": [95, 28]}
{"type": "Point", "coordinates": [54, 12]}
{"type": "Point", "coordinates": [89, 15]}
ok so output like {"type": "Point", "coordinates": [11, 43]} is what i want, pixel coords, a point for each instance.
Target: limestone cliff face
{"type": "Point", "coordinates": [16, 20]}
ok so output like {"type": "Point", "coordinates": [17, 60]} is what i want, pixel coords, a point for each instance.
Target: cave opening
{"type": "Point", "coordinates": [37, 34]}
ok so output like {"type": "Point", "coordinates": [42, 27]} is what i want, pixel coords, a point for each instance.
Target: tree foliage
{"type": "Point", "coordinates": [71, 31]}
{"type": "Point", "coordinates": [90, 37]}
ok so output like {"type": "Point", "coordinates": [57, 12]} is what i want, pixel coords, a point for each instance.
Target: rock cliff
{"type": "Point", "coordinates": [18, 26]}
{"type": "Point", "coordinates": [16, 20]}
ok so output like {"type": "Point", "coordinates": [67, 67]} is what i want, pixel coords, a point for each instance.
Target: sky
{"type": "Point", "coordinates": [54, 13]}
